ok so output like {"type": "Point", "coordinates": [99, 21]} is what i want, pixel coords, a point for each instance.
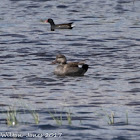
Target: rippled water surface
{"type": "Point", "coordinates": [107, 35]}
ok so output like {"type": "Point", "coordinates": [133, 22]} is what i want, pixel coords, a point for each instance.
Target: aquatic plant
{"type": "Point", "coordinates": [110, 118]}
{"type": "Point", "coordinates": [59, 120]}
{"type": "Point", "coordinates": [69, 117]}
{"type": "Point", "coordinates": [11, 117]}
{"type": "Point", "coordinates": [126, 117]}
{"type": "Point", "coordinates": [34, 114]}
{"type": "Point", "coordinates": [103, 113]}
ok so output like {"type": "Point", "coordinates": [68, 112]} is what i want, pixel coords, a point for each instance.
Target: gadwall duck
{"type": "Point", "coordinates": [59, 26]}
{"type": "Point", "coordinates": [69, 69]}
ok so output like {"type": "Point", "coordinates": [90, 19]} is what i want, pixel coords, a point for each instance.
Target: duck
{"type": "Point", "coordinates": [69, 69]}
{"type": "Point", "coordinates": [59, 26]}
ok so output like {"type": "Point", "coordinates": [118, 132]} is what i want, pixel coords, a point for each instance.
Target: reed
{"type": "Point", "coordinates": [127, 117]}
{"type": "Point", "coordinates": [35, 116]}
{"type": "Point", "coordinates": [11, 117]}
{"type": "Point", "coordinates": [110, 118]}
{"type": "Point", "coordinates": [69, 117]}
{"type": "Point", "coordinates": [57, 119]}
{"type": "Point", "coordinates": [33, 113]}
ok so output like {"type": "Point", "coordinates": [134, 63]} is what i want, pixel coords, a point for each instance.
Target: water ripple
{"type": "Point", "coordinates": [106, 36]}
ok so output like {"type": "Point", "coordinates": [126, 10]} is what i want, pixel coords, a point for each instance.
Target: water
{"type": "Point", "coordinates": [107, 35]}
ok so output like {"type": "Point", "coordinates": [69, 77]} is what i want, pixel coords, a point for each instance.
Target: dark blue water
{"type": "Point", "coordinates": [107, 35]}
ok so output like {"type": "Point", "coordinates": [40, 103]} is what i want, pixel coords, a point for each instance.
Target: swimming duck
{"type": "Point", "coordinates": [59, 26]}
{"type": "Point", "coordinates": [69, 69]}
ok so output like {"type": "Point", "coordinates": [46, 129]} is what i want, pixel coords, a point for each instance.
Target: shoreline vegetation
{"type": "Point", "coordinates": [16, 116]}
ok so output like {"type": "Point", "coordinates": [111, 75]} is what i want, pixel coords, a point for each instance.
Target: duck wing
{"type": "Point", "coordinates": [75, 64]}
{"type": "Point", "coordinates": [64, 26]}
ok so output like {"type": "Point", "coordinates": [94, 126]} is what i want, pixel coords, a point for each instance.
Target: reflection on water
{"type": "Point", "coordinates": [106, 35]}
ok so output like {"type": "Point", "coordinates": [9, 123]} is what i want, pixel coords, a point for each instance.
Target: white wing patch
{"type": "Point", "coordinates": [80, 66]}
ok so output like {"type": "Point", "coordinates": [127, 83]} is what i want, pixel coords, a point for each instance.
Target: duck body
{"type": "Point", "coordinates": [59, 26]}
{"type": "Point", "coordinates": [69, 69]}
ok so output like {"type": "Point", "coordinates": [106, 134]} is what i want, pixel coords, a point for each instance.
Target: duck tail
{"type": "Point", "coordinates": [85, 67]}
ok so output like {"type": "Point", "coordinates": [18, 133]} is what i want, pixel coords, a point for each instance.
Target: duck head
{"type": "Point", "coordinates": [49, 21]}
{"type": "Point", "coordinates": [60, 59]}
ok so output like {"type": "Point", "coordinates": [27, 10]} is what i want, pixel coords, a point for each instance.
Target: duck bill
{"type": "Point", "coordinates": [54, 62]}
{"type": "Point", "coordinates": [46, 21]}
